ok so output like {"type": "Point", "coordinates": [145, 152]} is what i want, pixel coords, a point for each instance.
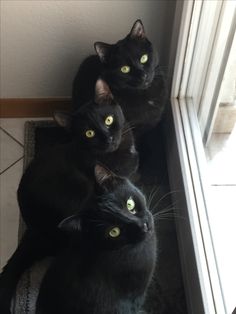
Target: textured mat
{"type": "Point", "coordinates": [166, 293]}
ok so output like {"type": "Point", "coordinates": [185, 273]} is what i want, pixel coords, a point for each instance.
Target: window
{"type": "Point", "coordinates": [203, 106]}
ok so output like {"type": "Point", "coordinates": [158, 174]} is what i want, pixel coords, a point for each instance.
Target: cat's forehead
{"type": "Point", "coordinates": [126, 190]}
{"type": "Point", "coordinates": [131, 49]}
{"type": "Point", "coordinates": [106, 109]}
{"type": "Point", "coordinates": [95, 110]}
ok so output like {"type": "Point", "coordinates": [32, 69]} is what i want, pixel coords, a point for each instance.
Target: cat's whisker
{"type": "Point", "coordinates": [165, 210]}
{"type": "Point", "coordinates": [163, 218]}
{"type": "Point", "coordinates": [168, 209]}
{"type": "Point", "coordinates": [167, 218]}
{"type": "Point", "coordinates": [163, 69]}
{"type": "Point", "coordinates": [126, 130]}
{"type": "Point", "coordinates": [162, 73]}
{"type": "Point", "coordinates": [168, 215]}
{"type": "Point", "coordinates": [153, 194]}
{"type": "Point", "coordinates": [149, 197]}
{"type": "Point", "coordinates": [171, 215]}
{"type": "Point", "coordinates": [171, 209]}
{"type": "Point", "coordinates": [172, 205]}
{"type": "Point", "coordinates": [164, 196]}
{"type": "Point", "coordinates": [128, 125]}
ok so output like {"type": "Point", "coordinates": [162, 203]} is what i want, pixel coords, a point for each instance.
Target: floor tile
{"type": "Point", "coordinates": [9, 213]}
{"type": "Point", "coordinates": [10, 151]}
{"type": "Point", "coordinates": [221, 154]}
{"type": "Point", "coordinates": [222, 218]}
{"type": "Point", "coordinates": [15, 127]}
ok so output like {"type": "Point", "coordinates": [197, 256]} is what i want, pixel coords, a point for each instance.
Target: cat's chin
{"type": "Point", "coordinates": [105, 150]}
{"type": "Point", "coordinates": [144, 85]}
{"type": "Point", "coordinates": [112, 148]}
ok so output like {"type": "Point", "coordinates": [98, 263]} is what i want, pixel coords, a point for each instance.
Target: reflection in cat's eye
{"type": "Point", "coordinates": [125, 69]}
{"type": "Point", "coordinates": [131, 205]}
{"type": "Point", "coordinates": [109, 120]}
{"type": "Point", "coordinates": [90, 133]}
{"type": "Point", "coordinates": [114, 232]}
{"type": "Point", "coordinates": [144, 58]}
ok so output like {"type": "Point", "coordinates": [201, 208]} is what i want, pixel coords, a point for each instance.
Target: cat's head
{"type": "Point", "coordinates": [97, 125]}
{"type": "Point", "coordinates": [131, 62]}
{"type": "Point", "coordinates": [120, 218]}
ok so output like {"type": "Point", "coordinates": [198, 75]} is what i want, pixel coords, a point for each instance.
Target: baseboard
{"type": "Point", "coordinates": [32, 107]}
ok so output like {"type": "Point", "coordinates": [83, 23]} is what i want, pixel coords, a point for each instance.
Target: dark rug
{"type": "Point", "coordinates": [166, 293]}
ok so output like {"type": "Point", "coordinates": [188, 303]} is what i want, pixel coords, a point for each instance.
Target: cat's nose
{"type": "Point", "coordinates": [144, 76]}
{"type": "Point", "coordinates": [110, 139]}
{"type": "Point", "coordinates": [145, 227]}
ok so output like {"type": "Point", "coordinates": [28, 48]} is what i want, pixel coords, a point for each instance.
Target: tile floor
{"type": "Point", "coordinates": [221, 155]}
{"type": "Point", "coordinates": [11, 166]}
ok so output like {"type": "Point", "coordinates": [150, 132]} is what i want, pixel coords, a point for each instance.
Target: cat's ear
{"type": "Point", "coordinates": [62, 118]}
{"type": "Point", "coordinates": [70, 224]}
{"type": "Point", "coordinates": [137, 30]}
{"type": "Point", "coordinates": [103, 175]}
{"type": "Point", "coordinates": [102, 50]}
{"type": "Point", "coordinates": [102, 92]}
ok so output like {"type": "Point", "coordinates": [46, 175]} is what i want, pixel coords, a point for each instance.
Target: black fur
{"type": "Point", "coordinates": [142, 93]}
{"type": "Point", "coordinates": [60, 182]}
{"type": "Point", "coordinates": [111, 146]}
{"type": "Point", "coordinates": [98, 274]}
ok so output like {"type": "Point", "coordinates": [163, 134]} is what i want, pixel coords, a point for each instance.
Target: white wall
{"type": "Point", "coordinates": [43, 42]}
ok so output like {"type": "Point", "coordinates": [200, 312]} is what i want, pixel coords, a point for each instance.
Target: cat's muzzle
{"type": "Point", "coordinates": [147, 226]}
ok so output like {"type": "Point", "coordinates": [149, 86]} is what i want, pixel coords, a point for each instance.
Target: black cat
{"type": "Point", "coordinates": [111, 259]}
{"type": "Point", "coordinates": [131, 69]}
{"type": "Point", "coordinates": [60, 182]}
{"type": "Point", "coordinates": [102, 134]}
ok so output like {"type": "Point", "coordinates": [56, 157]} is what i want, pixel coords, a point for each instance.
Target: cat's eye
{"type": "Point", "coordinates": [125, 69]}
{"type": "Point", "coordinates": [90, 133]}
{"type": "Point", "coordinates": [144, 59]}
{"type": "Point", "coordinates": [109, 120]}
{"type": "Point", "coordinates": [131, 206]}
{"type": "Point", "coordinates": [114, 232]}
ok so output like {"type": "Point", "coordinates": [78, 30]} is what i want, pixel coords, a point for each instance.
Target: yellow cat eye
{"type": "Point", "coordinates": [131, 206]}
{"type": "Point", "coordinates": [109, 120]}
{"type": "Point", "coordinates": [144, 58]}
{"type": "Point", "coordinates": [90, 133]}
{"type": "Point", "coordinates": [125, 69]}
{"type": "Point", "coordinates": [114, 232]}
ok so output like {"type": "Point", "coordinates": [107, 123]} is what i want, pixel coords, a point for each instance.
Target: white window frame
{"type": "Point", "coordinates": [199, 69]}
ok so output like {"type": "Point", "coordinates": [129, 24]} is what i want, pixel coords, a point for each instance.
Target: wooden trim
{"type": "Point", "coordinates": [32, 107]}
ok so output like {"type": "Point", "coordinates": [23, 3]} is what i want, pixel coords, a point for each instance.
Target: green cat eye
{"type": "Point", "coordinates": [125, 69]}
{"type": "Point", "coordinates": [90, 133]}
{"type": "Point", "coordinates": [131, 206]}
{"type": "Point", "coordinates": [109, 120]}
{"type": "Point", "coordinates": [144, 58]}
{"type": "Point", "coordinates": [114, 232]}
